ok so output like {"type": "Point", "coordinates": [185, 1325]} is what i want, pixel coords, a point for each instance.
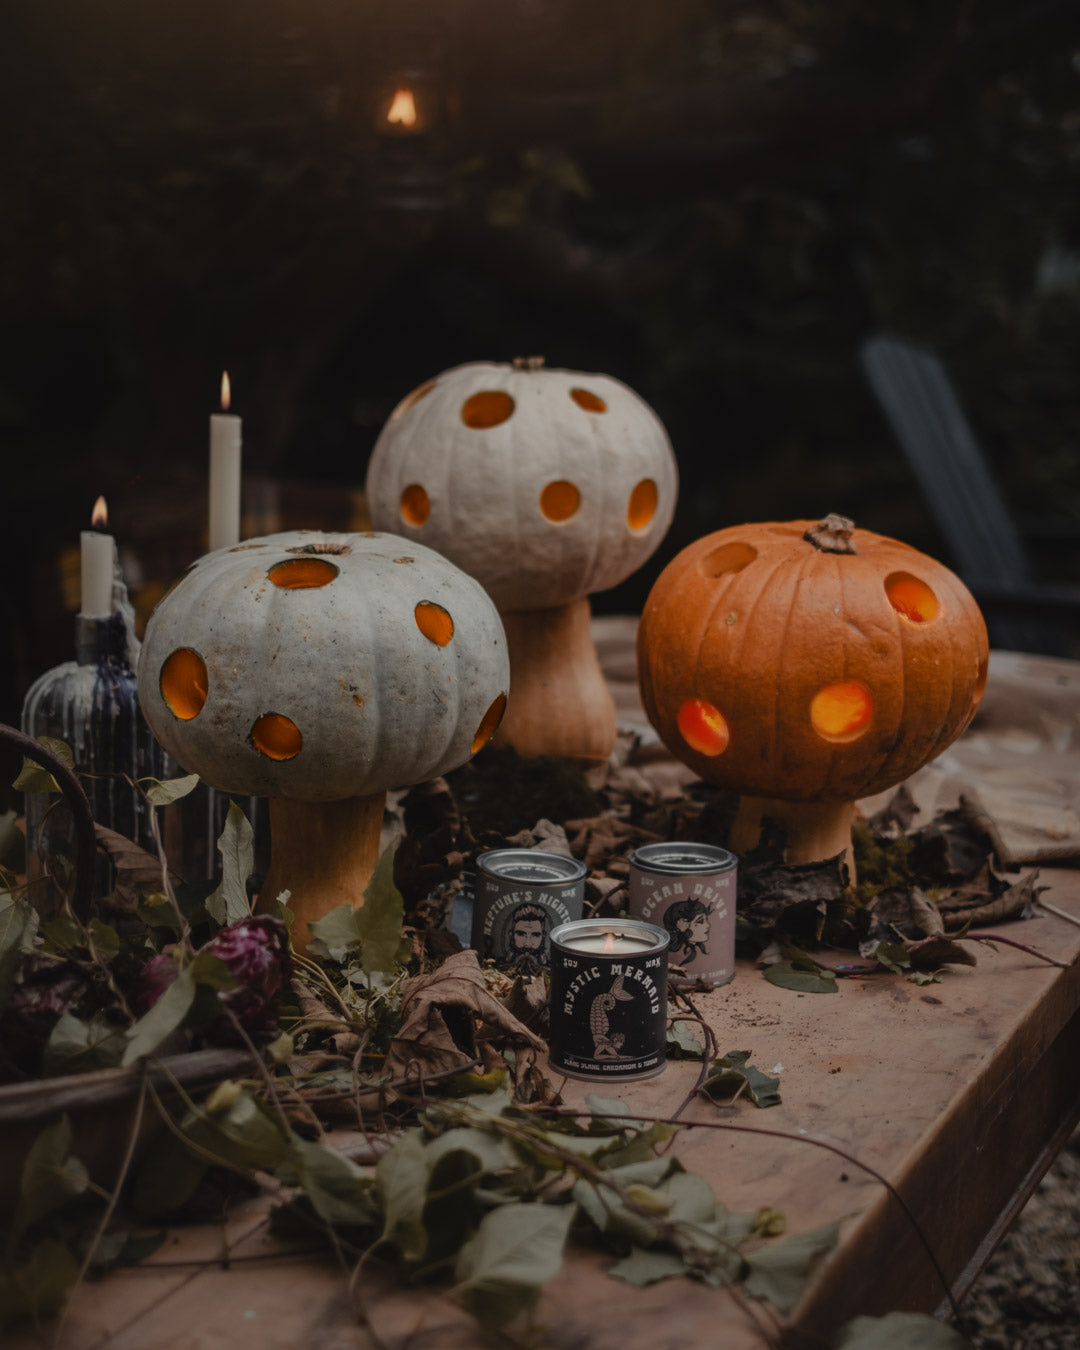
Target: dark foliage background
{"type": "Point", "coordinates": [715, 202]}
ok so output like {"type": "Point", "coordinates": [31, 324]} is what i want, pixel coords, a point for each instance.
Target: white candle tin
{"type": "Point", "coordinates": [689, 889]}
{"type": "Point", "coordinates": [521, 895]}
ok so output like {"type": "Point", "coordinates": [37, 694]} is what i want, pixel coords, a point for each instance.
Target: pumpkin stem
{"type": "Point", "coordinates": [832, 534]}
{"type": "Point", "coordinates": [559, 700]}
{"type": "Point", "coordinates": [323, 854]}
{"type": "Point", "coordinates": [528, 363]}
{"type": "Point", "coordinates": [816, 830]}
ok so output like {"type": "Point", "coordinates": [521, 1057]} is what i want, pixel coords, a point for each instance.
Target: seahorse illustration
{"type": "Point", "coordinates": [606, 1045]}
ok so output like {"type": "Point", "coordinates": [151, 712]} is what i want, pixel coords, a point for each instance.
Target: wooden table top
{"type": "Point", "coordinates": [959, 1093]}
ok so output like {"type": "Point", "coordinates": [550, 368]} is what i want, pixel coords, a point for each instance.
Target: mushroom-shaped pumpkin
{"type": "Point", "coordinates": [805, 665]}
{"type": "Point", "coordinates": [319, 670]}
{"type": "Point", "coordinates": [545, 485]}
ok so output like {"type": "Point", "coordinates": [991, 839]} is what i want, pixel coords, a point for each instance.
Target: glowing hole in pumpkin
{"type": "Point", "coordinates": [911, 597]}
{"type": "Point", "coordinates": [184, 683]}
{"type": "Point", "coordinates": [726, 559]}
{"type": "Point", "coordinates": [302, 574]}
{"type": "Point", "coordinates": [434, 622]}
{"type": "Point", "coordinates": [415, 505]}
{"type": "Point", "coordinates": [590, 402]}
{"type": "Point", "coordinates": [486, 409]}
{"type": "Point", "coordinates": [560, 500]}
{"type": "Point", "coordinates": [411, 400]}
{"type": "Point", "coordinates": [489, 723]}
{"type": "Point", "coordinates": [703, 727]}
{"type": "Point", "coordinates": [276, 736]}
{"type": "Point", "coordinates": [842, 711]}
{"type": "Point", "coordinates": [642, 506]}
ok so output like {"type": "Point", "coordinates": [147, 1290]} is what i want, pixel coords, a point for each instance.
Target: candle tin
{"type": "Point", "coordinates": [521, 895]}
{"type": "Point", "coordinates": [689, 889]}
{"type": "Point", "coordinates": [608, 1008]}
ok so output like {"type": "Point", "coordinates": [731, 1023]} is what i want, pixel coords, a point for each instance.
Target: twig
{"type": "Point", "coordinates": [1060, 913]}
{"type": "Point", "coordinates": [1011, 942]}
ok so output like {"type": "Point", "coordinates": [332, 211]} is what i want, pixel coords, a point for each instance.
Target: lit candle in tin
{"type": "Point", "coordinates": [614, 941]}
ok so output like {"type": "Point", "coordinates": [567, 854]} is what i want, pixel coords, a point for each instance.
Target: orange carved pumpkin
{"type": "Point", "coordinates": [806, 665]}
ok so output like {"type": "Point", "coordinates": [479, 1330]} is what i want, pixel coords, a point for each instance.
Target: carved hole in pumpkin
{"type": "Point", "coordinates": [302, 574]}
{"type": "Point", "coordinates": [590, 402]}
{"type": "Point", "coordinates": [489, 723]}
{"type": "Point", "coordinates": [415, 505]}
{"type": "Point", "coordinates": [184, 683]}
{"type": "Point", "coordinates": [434, 622]}
{"type": "Point", "coordinates": [842, 711]}
{"type": "Point", "coordinates": [911, 597]}
{"type": "Point", "coordinates": [411, 400]}
{"type": "Point", "coordinates": [486, 409]}
{"type": "Point", "coordinates": [560, 500]}
{"type": "Point", "coordinates": [642, 506]}
{"type": "Point", "coordinates": [703, 727]}
{"type": "Point", "coordinates": [726, 559]}
{"type": "Point", "coordinates": [276, 736]}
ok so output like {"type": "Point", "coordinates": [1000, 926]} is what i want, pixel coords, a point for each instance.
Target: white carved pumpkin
{"type": "Point", "coordinates": [545, 485]}
{"type": "Point", "coordinates": [319, 670]}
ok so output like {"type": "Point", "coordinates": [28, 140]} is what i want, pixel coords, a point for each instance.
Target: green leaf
{"type": "Point", "coordinates": [684, 1041]}
{"type": "Point", "coordinates": [241, 1132]}
{"type": "Point", "coordinates": [642, 1267]}
{"type": "Point", "coordinates": [37, 1287]}
{"type": "Point", "coordinates": [893, 956]}
{"type": "Point", "coordinates": [163, 1018]}
{"type": "Point", "coordinates": [491, 1152]}
{"type": "Point", "coordinates": [162, 792]}
{"type": "Point", "coordinates": [779, 1271]}
{"type": "Point", "coordinates": [516, 1250]}
{"type": "Point", "coordinates": [105, 938]}
{"type": "Point", "coordinates": [75, 1046]}
{"type": "Point", "coordinates": [899, 1331]}
{"type": "Point", "coordinates": [380, 917]}
{"type": "Point", "coordinates": [51, 1176]}
{"type": "Point", "coordinates": [338, 1190]}
{"type": "Point", "coordinates": [731, 1075]}
{"type": "Point", "coordinates": [337, 934]}
{"type": "Point", "coordinates": [33, 777]}
{"type": "Point", "coordinates": [401, 1179]}
{"type": "Point", "coordinates": [611, 1114]}
{"type": "Point", "coordinates": [230, 903]}
{"type": "Point", "coordinates": [18, 924]}
{"type": "Point", "coordinates": [801, 975]}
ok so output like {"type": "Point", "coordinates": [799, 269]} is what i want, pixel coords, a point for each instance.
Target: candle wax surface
{"type": "Point", "coordinates": [608, 944]}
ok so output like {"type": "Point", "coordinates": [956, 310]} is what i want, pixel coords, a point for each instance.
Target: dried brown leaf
{"type": "Point", "coordinates": [437, 1032]}
{"type": "Point", "coordinates": [138, 872]}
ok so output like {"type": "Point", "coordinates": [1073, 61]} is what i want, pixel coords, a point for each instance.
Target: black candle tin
{"type": "Point", "coordinates": [521, 895]}
{"type": "Point", "coordinates": [608, 1008]}
{"type": "Point", "coordinates": [690, 890]}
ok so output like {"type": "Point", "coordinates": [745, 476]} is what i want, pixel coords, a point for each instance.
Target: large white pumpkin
{"type": "Point", "coordinates": [319, 667]}
{"type": "Point", "coordinates": [545, 485]}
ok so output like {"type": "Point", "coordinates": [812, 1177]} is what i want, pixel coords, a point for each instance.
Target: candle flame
{"type": "Point", "coordinates": [99, 516]}
{"type": "Point", "coordinates": [226, 391]}
{"type": "Point", "coordinates": [402, 108]}
{"type": "Point", "coordinates": [609, 943]}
